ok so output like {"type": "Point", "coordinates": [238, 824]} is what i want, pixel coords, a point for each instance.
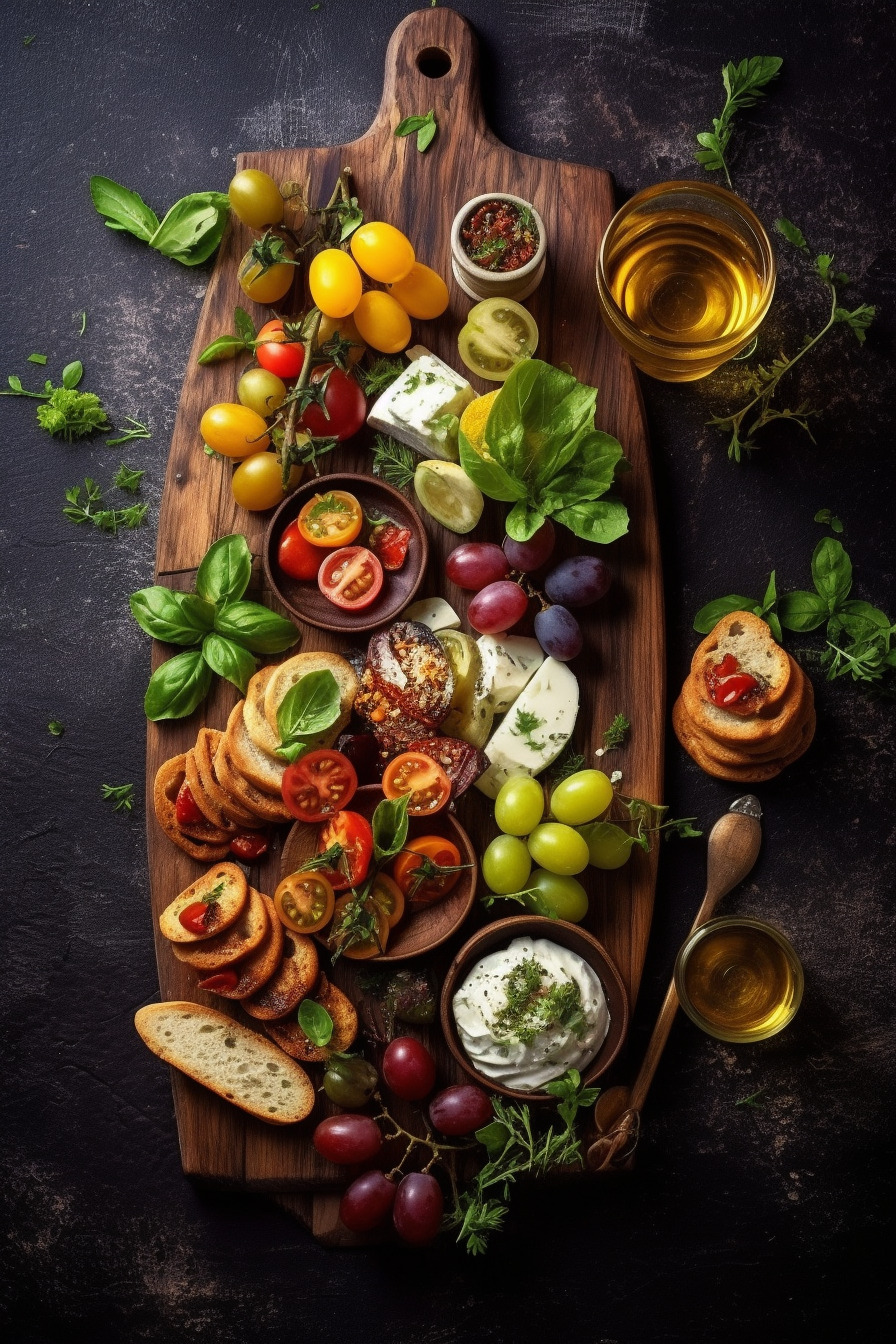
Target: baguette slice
{"type": "Point", "coordinates": [257, 725]}
{"type": "Point", "coordinates": [166, 786]}
{"type": "Point", "coordinates": [208, 741]}
{"type": "Point", "coordinates": [228, 1058]}
{"type": "Point", "coordinates": [286, 675]}
{"type": "Point", "coordinates": [750, 771]}
{"type": "Point", "coordinates": [255, 764]}
{"type": "Point", "coordinates": [240, 940]}
{"type": "Point", "coordinates": [264, 805]}
{"type": "Point", "coordinates": [763, 729]}
{"type": "Point", "coordinates": [256, 969]}
{"type": "Point", "coordinates": [294, 979]}
{"type": "Point", "coordinates": [228, 884]}
{"type": "Point", "coordinates": [291, 1038]}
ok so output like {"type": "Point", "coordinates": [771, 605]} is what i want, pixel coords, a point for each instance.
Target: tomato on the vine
{"type": "Point", "coordinates": [305, 902]}
{"type": "Point", "coordinates": [264, 284]}
{"type": "Point", "coordinates": [353, 832]}
{"type": "Point", "coordinates": [319, 784]}
{"type": "Point", "coordinates": [296, 556]}
{"type": "Point", "coordinates": [382, 251]}
{"type": "Point", "coordinates": [258, 482]}
{"type": "Point", "coordinates": [234, 430]}
{"type": "Point", "coordinates": [277, 353]}
{"type": "Point", "coordinates": [344, 410]}
{"type": "Point", "coordinates": [382, 321]}
{"type": "Point", "coordinates": [262, 391]}
{"type": "Point", "coordinates": [255, 198]}
{"type": "Point", "coordinates": [351, 578]}
{"type": "Point", "coordinates": [423, 778]}
{"type": "Point", "coordinates": [330, 520]}
{"type": "Point", "coordinates": [335, 282]}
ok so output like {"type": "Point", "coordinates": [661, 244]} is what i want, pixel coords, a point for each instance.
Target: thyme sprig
{"type": "Point", "coordinates": [393, 462]}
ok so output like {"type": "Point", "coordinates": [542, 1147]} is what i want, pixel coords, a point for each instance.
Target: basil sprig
{"type": "Point", "coordinates": [189, 233]}
{"type": "Point", "coordinates": [309, 708]}
{"type": "Point", "coordinates": [220, 631]}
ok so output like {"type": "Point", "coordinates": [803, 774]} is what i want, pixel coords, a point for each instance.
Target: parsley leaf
{"type": "Point", "coordinates": [120, 795]}
{"type": "Point", "coordinates": [744, 84]}
{"type": "Point", "coordinates": [128, 478]}
{"type": "Point", "coordinates": [137, 430]}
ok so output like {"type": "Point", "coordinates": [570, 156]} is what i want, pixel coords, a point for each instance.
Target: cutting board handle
{"type": "Point", "coordinates": [432, 61]}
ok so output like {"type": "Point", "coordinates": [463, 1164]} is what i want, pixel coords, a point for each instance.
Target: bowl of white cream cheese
{"type": "Point", "coordinates": [528, 998]}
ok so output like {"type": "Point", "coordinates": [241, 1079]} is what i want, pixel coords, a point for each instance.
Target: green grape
{"type": "Point", "coordinates": [519, 806]}
{"type": "Point", "coordinates": [506, 865]}
{"type": "Point", "coordinates": [558, 848]}
{"type": "Point", "coordinates": [608, 846]}
{"type": "Point", "coordinates": [565, 896]}
{"type": "Point", "coordinates": [581, 797]}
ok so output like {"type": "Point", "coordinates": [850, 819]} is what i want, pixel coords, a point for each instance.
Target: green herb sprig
{"type": "Point", "coordinates": [66, 413]}
{"type": "Point", "coordinates": [121, 796]}
{"type": "Point", "coordinates": [135, 430]}
{"type": "Point", "coordinates": [92, 508]}
{"type": "Point", "coordinates": [393, 462]}
{"type": "Point", "coordinates": [615, 735]}
{"type": "Point", "coordinates": [744, 84]}
{"type": "Point", "coordinates": [189, 233]}
{"type": "Point", "coordinates": [381, 374]}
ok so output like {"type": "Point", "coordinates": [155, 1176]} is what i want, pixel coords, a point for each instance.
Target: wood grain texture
{"type": "Point", "coordinates": [622, 668]}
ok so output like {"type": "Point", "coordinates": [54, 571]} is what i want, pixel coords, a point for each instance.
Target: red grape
{"type": "Point", "coordinates": [408, 1068]}
{"type": "Point", "coordinates": [348, 1138]}
{"type": "Point", "coordinates": [579, 581]}
{"type": "Point", "coordinates": [475, 564]}
{"type": "Point", "coordinates": [461, 1109]}
{"type": "Point", "coordinates": [531, 554]}
{"type": "Point", "coordinates": [417, 1212]}
{"type": "Point", "coordinates": [497, 607]}
{"type": "Point", "coordinates": [559, 633]}
{"type": "Point", "coordinates": [367, 1202]}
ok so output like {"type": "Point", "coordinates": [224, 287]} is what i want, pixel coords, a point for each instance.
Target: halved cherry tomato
{"type": "Point", "coordinates": [249, 845]}
{"type": "Point", "coordinates": [362, 948]}
{"type": "Point", "coordinates": [275, 351]}
{"type": "Point", "coordinates": [354, 834]}
{"type": "Point", "coordinates": [296, 556]}
{"type": "Point", "coordinates": [304, 902]}
{"type": "Point", "coordinates": [407, 867]}
{"type": "Point", "coordinates": [185, 808]}
{"type": "Point", "coordinates": [193, 917]}
{"type": "Point", "coordinates": [319, 784]}
{"type": "Point", "coordinates": [344, 410]}
{"type": "Point", "coordinates": [389, 897]}
{"type": "Point", "coordinates": [221, 981]}
{"type": "Point", "coordinates": [333, 519]}
{"type": "Point", "coordinates": [389, 543]}
{"type": "Point", "coordinates": [351, 578]}
{"type": "Point", "coordinates": [423, 778]}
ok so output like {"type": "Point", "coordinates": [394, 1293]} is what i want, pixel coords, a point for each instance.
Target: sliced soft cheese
{"type": "Point", "coordinates": [434, 612]}
{"type": "Point", "coordinates": [509, 662]}
{"type": "Point", "coordinates": [536, 728]}
{"type": "Point", "coordinates": [422, 408]}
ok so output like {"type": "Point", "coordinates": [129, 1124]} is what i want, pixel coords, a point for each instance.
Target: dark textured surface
{"type": "Point", "coordinates": [740, 1223]}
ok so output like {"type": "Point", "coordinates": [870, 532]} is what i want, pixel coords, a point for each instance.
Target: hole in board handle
{"type": "Point", "coordinates": [433, 62]}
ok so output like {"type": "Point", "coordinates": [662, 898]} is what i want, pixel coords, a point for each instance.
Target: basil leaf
{"type": "Point", "coordinates": [316, 1022]}
{"type": "Point", "coordinates": [600, 520]}
{"type": "Point", "coordinates": [229, 660]}
{"type": "Point", "coordinates": [409, 125]}
{"type": "Point", "coordinates": [176, 618]}
{"type": "Point", "coordinates": [771, 594]}
{"type": "Point", "coordinates": [193, 227]}
{"type": "Point", "coordinates": [124, 209]}
{"type": "Point", "coordinates": [426, 133]}
{"type": "Point", "coordinates": [390, 827]}
{"type": "Point", "coordinates": [256, 628]}
{"type": "Point", "coordinates": [178, 686]}
{"type": "Point", "coordinates": [522, 522]}
{"type": "Point", "coordinates": [72, 374]}
{"type": "Point", "coordinates": [802, 611]}
{"type": "Point", "coordinates": [310, 706]}
{"type": "Point", "coordinates": [774, 625]}
{"type": "Point", "coordinates": [862, 621]}
{"type": "Point", "coordinates": [224, 347]}
{"type": "Point", "coordinates": [491, 478]}
{"type": "Point", "coordinates": [831, 571]}
{"type": "Point", "coordinates": [245, 327]}
{"type": "Point", "coordinates": [225, 570]}
{"type": "Point", "coordinates": [709, 616]}
{"type": "Point", "coordinates": [292, 751]}
{"type": "Point", "coordinates": [589, 475]}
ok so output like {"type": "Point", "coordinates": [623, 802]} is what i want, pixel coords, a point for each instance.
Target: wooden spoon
{"type": "Point", "coordinates": [732, 850]}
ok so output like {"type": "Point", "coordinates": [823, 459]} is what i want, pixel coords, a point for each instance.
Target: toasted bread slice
{"type": "Point", "coordinates": [240, 940]}
{"type": "Point", "coordinates": [256, 969]}
{"type": "Point", "coordinates": [203, 799]}
{"type": "Point", "coordinates": [257, 726]}
{"type": "Point", "coordinates": [765, 728]}
{"type": "Point", "coordinates": [257, 766]}
{"type": "Point", "coordinates": [746, 770]}
{"type": "Point", "coordinates": [265, 805]}
{"type": "Point", "coordinates": [228, 1058]}
{"type": "Point", "coordinates": [166, 786]}
{"type": "Point", "coordinates": [224, 882]}
{"type": "Point", "coordinates": [295, 978]}
{"type": "Point", "coordinates": [215, 796]}
{"type": "Point", "coordinates": [750, 641]}
{"type": "Point", "coordinates": [285, 676]}
{"type": "Point", "coordinates": [291, 1038]}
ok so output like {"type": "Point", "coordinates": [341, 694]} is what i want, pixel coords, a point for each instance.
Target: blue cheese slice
{"type": "Point", "coordinates": [509, 662]}
{"type": "Point", "coordinates": [536, 728]}
{"type": "Point", "coordinates": [434, 612]}
{"type": "Point", "coordinates": [422, 408]}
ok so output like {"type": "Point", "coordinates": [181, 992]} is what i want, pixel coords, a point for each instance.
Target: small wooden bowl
{"type": "Point", "coordinates": [422, 930]}
{"type": "Point", "coordinates": [571, 936]}
{"type": "Point", "coordinates": [303, 598]}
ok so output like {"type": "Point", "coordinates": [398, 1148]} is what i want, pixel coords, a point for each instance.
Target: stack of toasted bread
{"type": "Point", "coordinates": [763, 730]}
{"type": "Point", "coordinates": [235, 776]}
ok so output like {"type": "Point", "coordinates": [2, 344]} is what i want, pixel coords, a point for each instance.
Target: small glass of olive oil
{"type": "Point", "coordinates": [739, 979]}
{"type": "Point", "coordinates": [685, 275]}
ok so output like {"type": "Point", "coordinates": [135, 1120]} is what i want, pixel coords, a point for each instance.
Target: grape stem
{"type": "Point", "coordinates": [435, 1147]}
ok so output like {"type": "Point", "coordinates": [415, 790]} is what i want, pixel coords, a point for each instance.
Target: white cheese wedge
{"type": "Point", "coordinates": [509, 662]}
{"type": "Point", "coordinates": [434, 612]}
{"type": "Point", "coordinates": [422, 408]}
{"type": "Point", "coordinates": [535, 730]}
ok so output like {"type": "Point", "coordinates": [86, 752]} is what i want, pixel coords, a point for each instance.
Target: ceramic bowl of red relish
{"type": "Point", "coordinates": [498, 247]}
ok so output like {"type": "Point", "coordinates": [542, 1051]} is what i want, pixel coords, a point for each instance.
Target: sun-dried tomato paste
{"type": "Point", "coordinates": [729, 687]}
{"type": "Point", "coordinates": [500, 236]}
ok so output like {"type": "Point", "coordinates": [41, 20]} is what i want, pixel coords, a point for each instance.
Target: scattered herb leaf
{"type": "Point", "coordinates": [316, 1022]}
{"type": "Point", "coordinates": [744, 84]}
{"type": "Point", "coordinates": [37, 359]}
{"type": "Point", "coordinates": [137, 430]}
{"type": "Point", "coordinates": [425, 127]}
{"type": "Point", "coordinates": [55, 727]}
{"type": "Point", "coordinates": [825, 516]}
{"type": "Point", "coordinates": [128, 478]}
{"type": "Point", "coordinates": [752, 1100]}
{"type": "Point", "coordinates": [83, 326]}
{"type": "Point", "coordinates": [614, 736]}
{"type": "Point", "coordinates": [393, 462]}
{"type": "Point", "coordinates": [189, 233]}
{"type": "Point", "coordinates": [120, 795]}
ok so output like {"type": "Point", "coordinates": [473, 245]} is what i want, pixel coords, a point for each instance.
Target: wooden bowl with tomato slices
{"type": "Point", "coordinates": [348, 579]}
{"type": "Point", "coordinates": [421, 927]}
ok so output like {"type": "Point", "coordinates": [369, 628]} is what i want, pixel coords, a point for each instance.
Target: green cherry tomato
{"type": "Point", "coordinates": [506, 865]}
{"type": "Point", "coordinates": [255, 198]}
{"type": "Point", "coordinates": [565, 896]}
{"type": "Point", "coordinates": [519, 805]}
{"type": "Point", "coordinates": [234, 430]}
{"type": "Point", "coordinates": [581, 797]}
{"type": "Point", "coordinates": [608, 845]}
{"type": "Point", "coordinates": [558, 848]}
{"type": "Point", "coordinates": [263, 392]}
{"type": "Point", "coordinates": [258, 482]}
{"type": "Point", "coordinates": [350, 1081]}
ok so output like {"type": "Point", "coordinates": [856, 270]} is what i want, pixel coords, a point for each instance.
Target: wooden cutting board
{"type": "Point", "coordinates": [432, 62]}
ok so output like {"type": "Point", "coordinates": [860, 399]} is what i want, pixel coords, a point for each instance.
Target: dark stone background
{"type": "Point", "coordinates": [740, 1224]}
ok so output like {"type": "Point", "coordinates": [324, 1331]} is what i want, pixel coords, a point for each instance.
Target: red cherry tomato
{"type": "Point", "coordinates": [296, 556]}
{"type": "Point", "coordinates": [193, 917]}
{"type": "Point", "coordinates": [185, 808]}
{"type": "Point", "coordinates": [277, 353]}
{"type": "Point", "coordinates": [389, 543]}
{"type": "Point", "coordinates": [351, 578]}
{"type": "Point", "coordinates": [221, 982]}
{"type": "Point", "coordinates": [319, 784]}
{"type": "Point", "coordinates": [250, 845]}
{"type": "Point", "coordinates": [354, 834]}
{"type": "Point", "coordinates": [345, 402]}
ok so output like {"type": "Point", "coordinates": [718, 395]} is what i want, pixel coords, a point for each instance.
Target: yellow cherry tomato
{"type": "Point", "coordinates": [255, 198]}
{"type": "Point", "coordinates": [234, 430]}
{"type": "Point", "coordinates": [422, 293]}
{"type": "Point", "coordinates": [258, 481]}
{"type": "Point", "coordinates": [344, 327]}
{"type": "Point", "coordinates": [264, 285]}
{"type": "Point", "coordinates": [382, 322]}
{"type": "Point", "coordinates": [262, 391]}
{"type": "Point", "coordinates": [335, 282]}
{"type": "Point", "coordinates": [382, 252]}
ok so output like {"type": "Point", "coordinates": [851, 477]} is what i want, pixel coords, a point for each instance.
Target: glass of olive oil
{"type": "Point", "coordinates": [685, 275]}
{"type": "Point", "coordinates": [739, 979]}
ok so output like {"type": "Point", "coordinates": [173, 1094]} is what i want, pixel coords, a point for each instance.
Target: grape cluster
{"type": "Point", "coordinates": [485, 569]}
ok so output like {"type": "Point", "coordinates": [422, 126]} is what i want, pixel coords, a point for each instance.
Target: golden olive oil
{"type": "Point", "coordinates": [743, 979]}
